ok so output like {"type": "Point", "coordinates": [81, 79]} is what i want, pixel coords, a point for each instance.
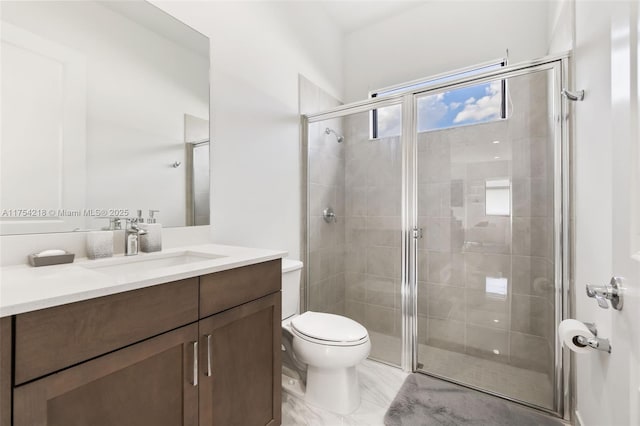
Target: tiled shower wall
{"type": "Point", "coordinates": [466, 253]}
{"type": "Point", "coordinates": [373, 224]}
{"type": "Point", "coordinates": [326, 241]}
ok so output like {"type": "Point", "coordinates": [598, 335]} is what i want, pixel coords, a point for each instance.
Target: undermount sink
{"type": "Point", "coordinates": [147, 262]}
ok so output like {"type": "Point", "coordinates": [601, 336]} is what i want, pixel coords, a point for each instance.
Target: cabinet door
{"type": "Point", "coordinates": [240, 370]}
{"type": "Point", "coordinates": [149, 383]}
{"type": "Point", "coordinates": [5, 370]}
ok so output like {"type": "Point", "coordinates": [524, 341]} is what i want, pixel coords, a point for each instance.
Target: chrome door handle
{"type": "Point", "coordinates": [598, 293]}
{"type": "Point", "coordinates": [195, 363]}
{"type": "Point", "coordinates": [208, 355]}
{"type": "Point", "coordinates": [611, 291]}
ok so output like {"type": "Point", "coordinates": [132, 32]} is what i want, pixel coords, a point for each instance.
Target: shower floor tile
{"type": "Point", "coordinates": [385, 348]}
{"type": "Point", "coordinates": [379, 384]}
{"type": "Point", "coordinates": [516, 383]}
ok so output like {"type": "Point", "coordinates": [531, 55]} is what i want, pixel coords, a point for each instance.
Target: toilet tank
{"type": "Point", "coordinates": [291, 272]}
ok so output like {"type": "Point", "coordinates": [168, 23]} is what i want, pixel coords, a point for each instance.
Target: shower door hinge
{"type": "Point", "coordinates": [416, 233]}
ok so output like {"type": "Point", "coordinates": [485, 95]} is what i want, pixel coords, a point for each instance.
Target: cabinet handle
{"type": "Point", "coordinates": [208, 355]}
{"type": "Point", "coordinates": [195, 363]}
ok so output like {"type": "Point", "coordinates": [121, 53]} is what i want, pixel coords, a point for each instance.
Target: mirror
{"type": "Point", "coordinates": [105, 111]}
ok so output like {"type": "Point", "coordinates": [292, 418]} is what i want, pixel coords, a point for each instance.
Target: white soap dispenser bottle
{"type": "Point", "coordinates": [152, 240]}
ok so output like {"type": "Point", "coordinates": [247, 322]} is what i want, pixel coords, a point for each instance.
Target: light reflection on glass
{"type": "Point", "coordinates": [495, 286]}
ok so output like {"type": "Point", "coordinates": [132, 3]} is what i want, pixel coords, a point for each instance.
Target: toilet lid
{"type": "Point", "coordinates": [329, 327]}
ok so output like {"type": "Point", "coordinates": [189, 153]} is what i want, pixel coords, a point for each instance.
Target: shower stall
{"type": "Point", "coordinates": [446, 234]}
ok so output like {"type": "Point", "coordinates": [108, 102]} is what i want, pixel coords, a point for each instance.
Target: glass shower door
{"type": "Point", "coordinates": [354, 223]}
{"type": "Point", "coordinates": [486, 264]}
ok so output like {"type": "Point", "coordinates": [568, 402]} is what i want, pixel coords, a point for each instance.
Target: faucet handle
{"type": "Point", "coordinates": [132, 225]}
{"type": "Point", "coordinates": [114, 224]}
{"type": "Point", "coordinates": [152, 219]}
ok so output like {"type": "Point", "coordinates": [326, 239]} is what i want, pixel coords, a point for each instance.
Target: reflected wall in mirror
{"type": "Point", "coordinates": [105, 110]}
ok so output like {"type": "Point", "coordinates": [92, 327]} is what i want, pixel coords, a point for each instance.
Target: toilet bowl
{"type": "Point", "coordinates": [331, 346]}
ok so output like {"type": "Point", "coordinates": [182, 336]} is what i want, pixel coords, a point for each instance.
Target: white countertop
{"type": "Point", "coordinates": [24, 288]}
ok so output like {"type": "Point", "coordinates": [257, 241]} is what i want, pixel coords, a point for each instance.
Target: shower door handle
{"type": "Point", "coordinates": [416, 233]}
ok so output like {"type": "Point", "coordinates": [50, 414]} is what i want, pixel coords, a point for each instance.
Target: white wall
{"type": "Point", "coordinates": [606, 126]}
{"type": "Point", "coordinates": [257, 51]}
{"type": "Point", "coordinates": [560, 26]}
{"type": "Point", "coordinates": [441, 36]}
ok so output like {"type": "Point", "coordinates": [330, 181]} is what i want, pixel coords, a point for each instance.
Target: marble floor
{"type": "Point", "coordinates": [379, 384]}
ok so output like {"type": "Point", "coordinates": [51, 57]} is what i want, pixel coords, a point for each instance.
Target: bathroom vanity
{"type": "Point", "coordinates": [188, 344]}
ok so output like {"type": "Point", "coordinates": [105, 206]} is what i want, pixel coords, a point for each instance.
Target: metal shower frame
{"type": "Point", "coordinates": [562, 196]}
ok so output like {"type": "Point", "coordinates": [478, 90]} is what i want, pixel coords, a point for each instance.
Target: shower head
{"type": "Point", "coordinates": [328, 131]}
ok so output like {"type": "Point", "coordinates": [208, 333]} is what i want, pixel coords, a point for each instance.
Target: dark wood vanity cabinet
{"type": "Point", "coordinates": [51, 339]}
{"type": "Point", "coordinates": [240, 379]}
{"type": "Point", "coordinates": [153, 356]}
{"type": "Point", "coordinates": [148, 383]}
{"type": "Point", "coordinates": [6, 361]}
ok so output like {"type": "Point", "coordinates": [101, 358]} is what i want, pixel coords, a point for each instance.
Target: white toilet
{"type": "Point", "coordinates": [330, 345]}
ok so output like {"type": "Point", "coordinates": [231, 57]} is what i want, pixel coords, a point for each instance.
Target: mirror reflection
{"type": "Point", "coordinates": [105, 111]}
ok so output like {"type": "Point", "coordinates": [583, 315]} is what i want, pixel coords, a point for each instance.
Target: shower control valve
{"type": "Point", "coordinates": [611, 291]}
{"type": "Point", "coordinates": [329, 215]}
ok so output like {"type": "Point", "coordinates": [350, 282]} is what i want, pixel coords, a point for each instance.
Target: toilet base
{"type": "Point", "coordinates": [335, 390]}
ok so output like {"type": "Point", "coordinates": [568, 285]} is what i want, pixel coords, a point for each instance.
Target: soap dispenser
{"type": "Point", "coordinates": [152, 240]}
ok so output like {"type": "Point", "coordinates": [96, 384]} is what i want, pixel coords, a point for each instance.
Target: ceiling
{"type": "Point", "coordinates": [352, 15]}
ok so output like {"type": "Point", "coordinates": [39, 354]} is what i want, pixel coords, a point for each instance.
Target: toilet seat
{"type": "Point", "coordinates": [329, 329]}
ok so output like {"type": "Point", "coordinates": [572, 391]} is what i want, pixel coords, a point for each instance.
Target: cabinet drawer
{"type": "Point", "coordinates": [54, 338]}
{"type": "Point", "coordinates": [226, 289]}
{"type": "Point", "coordinates": [146, 384]}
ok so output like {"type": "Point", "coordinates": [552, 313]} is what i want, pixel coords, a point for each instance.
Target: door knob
{"type": "Point", "coordinates": [611, 291]}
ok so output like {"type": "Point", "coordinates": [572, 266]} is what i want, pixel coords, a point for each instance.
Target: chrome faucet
{"type": "Point", "coordinates": [114, 224]}
{"type": "Point", "coordinates": [132, 237]}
